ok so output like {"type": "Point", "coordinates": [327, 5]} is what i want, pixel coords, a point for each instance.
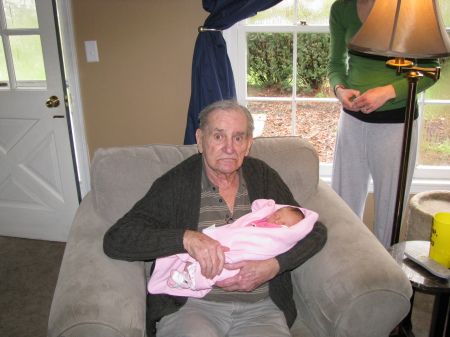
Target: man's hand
{"type": "Point", "coordinates": [208, 252]}
{"type": "Point", "coordinates": [251, 275]}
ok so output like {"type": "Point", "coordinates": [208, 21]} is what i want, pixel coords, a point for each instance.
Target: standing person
{"type": "Point", "coordinates": [370, 131]}
{"type": "Point", "coordinates": [216, 185]}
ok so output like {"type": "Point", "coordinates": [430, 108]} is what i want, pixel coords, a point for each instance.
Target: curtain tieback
{"type": "Point", "coordinates": [203, 29]}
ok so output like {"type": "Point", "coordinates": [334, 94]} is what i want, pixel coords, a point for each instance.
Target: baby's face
{"type": "Point", "coordinates": [285, 217]}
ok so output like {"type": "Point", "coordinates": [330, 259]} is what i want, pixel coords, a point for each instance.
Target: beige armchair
{"type": "Point", "coordinates": [352, 287]}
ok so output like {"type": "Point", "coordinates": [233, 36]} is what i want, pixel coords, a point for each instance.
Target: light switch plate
{"type": "Point", "coordinates": [91, 51]}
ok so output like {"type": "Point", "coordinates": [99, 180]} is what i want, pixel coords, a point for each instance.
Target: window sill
{"type": "Point", "coordinates": [418, 184]}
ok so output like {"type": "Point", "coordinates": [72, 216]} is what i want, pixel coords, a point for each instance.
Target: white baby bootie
{"type": "Point", "coordinates": [179, 280]}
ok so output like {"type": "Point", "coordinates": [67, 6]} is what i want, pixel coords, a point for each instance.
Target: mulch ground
{"type": "Point", "coordinates": [317, 122]}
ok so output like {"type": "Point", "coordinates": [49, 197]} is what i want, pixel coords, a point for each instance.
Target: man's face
{"type": "Point", "coordinates": [225, 141]}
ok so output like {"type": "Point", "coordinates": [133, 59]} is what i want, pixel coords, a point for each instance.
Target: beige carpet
{"type": "Point", "coordinates": [28, 273]}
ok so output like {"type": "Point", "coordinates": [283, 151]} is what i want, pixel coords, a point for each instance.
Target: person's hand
{"type": "Point", "coordinates": [251, 275]}
{"type": "Point", "coordinates": [208, 252]}
{"type": "Point", "coordinates": [345, 95]}
{"type": "Point", "coordinates": [373, 99]}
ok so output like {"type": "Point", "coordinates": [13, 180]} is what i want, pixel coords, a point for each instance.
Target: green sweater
{"type": "Point", "coordinates": [362, 73]}
{"type": "Point", "coordinates": [155, 226]}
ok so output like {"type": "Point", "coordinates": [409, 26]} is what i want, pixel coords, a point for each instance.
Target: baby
{"type": "Point", "coordinates": [286, 216]}
{"type": "Point", "coordinates": [269, 230]}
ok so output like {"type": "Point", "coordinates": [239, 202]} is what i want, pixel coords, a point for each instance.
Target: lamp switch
{"type": "Point", "coordinates": [91, 51]}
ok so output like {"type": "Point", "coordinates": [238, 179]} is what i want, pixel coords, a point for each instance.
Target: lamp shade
{"type": "Point", "coordinates": [403, 28]}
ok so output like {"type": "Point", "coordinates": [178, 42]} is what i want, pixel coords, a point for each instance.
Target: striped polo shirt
{"type": "Point", "coordinates": [214, 210]}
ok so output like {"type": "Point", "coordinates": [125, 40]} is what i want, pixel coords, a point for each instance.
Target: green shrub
{"type": "Point", "coordinates": [270, 60]}
{"type": "Point", "coordinates": [312, 59]}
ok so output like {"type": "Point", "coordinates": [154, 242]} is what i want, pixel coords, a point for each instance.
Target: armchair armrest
{"type": "Point", "coordinates": [95, 295]}
{"type": "Point", "coordinates": [352, 287]}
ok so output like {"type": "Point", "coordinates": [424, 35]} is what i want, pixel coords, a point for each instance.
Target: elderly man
{"type": "Point", "coordinates": [214, 186]}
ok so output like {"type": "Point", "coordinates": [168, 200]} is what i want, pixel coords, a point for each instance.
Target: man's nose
{"type": "Point", "coordinates": [229, 146]}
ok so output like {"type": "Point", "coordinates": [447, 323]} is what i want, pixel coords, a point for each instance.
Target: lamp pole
{"type": "Point", "coordinates": [413, 77]}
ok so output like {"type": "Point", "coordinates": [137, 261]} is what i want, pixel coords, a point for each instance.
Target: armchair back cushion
{"type": "Point", "coordinates": [122, 176]}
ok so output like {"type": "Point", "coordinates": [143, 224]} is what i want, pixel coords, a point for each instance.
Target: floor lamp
{"type": "Point", "coordinates": [404, 29]}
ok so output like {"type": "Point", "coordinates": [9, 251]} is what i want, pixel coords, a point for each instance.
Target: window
{"type": "Point", "coordinates": [21, 58]}
{"type": "Point", "coordinates": [279, 60]}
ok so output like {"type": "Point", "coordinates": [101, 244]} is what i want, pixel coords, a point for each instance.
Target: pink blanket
{"type": "Point", "coordinates": [245, 243]}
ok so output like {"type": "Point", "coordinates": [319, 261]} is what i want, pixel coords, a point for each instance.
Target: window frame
{"type": "Point", "coordinates": [425, 177]}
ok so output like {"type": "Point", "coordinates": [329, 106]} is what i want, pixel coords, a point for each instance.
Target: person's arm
{"type": "Point", "coordinates": [337, 60]}
{"type": "Point", "coordinates": [209, 253]}
{"type": "Point", "coordinates": [145, 232]}
{"type": "Point", "coordinates": [156, 225]}
{"type": "Point", "coordinates": [251, 275]}
{"type": "Point", "coordinates": [375, 98]}
{"type": "Point", "coordinates": [304, 249]}
{"type": "Point", "coordinates": [254, 273]}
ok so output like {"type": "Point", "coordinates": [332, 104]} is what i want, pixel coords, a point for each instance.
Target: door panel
{"type": "Point", "coordinates": [38, 192]}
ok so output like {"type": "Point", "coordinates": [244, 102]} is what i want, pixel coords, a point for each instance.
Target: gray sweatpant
{"type": "Point", "coordinates": [365, 150]}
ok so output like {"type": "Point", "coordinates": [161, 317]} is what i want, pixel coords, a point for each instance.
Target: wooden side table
{"type": "Point", "coordinates": [423, 280]}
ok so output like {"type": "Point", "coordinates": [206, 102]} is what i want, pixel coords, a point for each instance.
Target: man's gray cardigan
{"type": "Point", "coordinates": [155, 226]}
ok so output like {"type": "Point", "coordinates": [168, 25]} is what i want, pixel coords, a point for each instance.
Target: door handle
{"type": "Point", "coordinates": [52, 102]}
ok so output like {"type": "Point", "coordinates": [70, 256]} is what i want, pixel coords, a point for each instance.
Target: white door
{"type": "Point", "coordinates": [38, 191]}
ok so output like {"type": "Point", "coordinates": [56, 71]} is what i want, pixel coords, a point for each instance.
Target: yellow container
{"type": "Point", "coordinates": [440, 239]}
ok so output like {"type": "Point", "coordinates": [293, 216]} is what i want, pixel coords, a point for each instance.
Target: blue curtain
{"type": "Point", "coordinates": [212, 77]}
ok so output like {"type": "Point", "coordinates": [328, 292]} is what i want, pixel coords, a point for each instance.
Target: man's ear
{"type": "Point", "coordinates": [250, 142]}
{"type": "Point", "coordinates": [198, 137]}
